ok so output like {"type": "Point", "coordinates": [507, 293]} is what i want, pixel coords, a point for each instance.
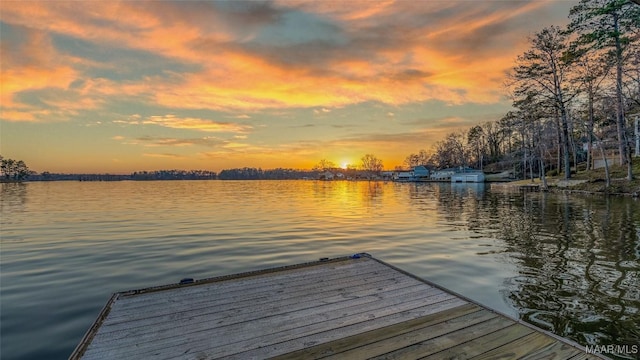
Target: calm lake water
{"type": "Point", "coordinates": [568, 264]}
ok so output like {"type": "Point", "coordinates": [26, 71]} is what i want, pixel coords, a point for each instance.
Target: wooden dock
{"type": "Point", "coordinates": [348, 308]}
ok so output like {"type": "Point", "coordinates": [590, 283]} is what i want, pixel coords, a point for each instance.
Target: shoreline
{"type": "Point", "coordinates": [572, 186]}
{"type": "Point", "coordinates": [588, 192]}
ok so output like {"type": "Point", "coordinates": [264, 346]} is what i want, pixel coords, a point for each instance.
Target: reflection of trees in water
{"type": "Point", "coordinates": [579, 265]}
{"type": "Point", "coordinates": [371, 190]}
{"type": "Point", "coordinates": [578, 258]}
{"type": "Point", "coordinates": [460, 205]}
{"type": "Point", "coordinates": [421, 195]}
{"type": "Point", "coordinates": [13, 196]}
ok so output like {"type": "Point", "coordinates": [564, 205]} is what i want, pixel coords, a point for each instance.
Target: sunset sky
{"type": "Point", "coordinates": [106, 86]}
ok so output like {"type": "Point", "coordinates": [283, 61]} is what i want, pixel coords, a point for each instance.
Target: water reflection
{"type": "Point", "coordinates": [468, 189]}
{"type": "Point", "coordinates": [12, 196]}
{"type": "Point", "coordinates": [577, 259]}
{"type": "Point", "coordinates": [463, 205]}
{"type": "Point", "coordinates": [372, 190]}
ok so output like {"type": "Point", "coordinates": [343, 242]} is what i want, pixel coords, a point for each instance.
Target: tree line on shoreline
{"type": "Point", "coordinates": [245, 173]}
{"type": "Point", "coordinates": [370, 167]}
{"type": "Point", "coordinates": [575, 93]}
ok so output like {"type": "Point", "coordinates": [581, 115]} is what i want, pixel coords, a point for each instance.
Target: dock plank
{"type": "Point", "coordinates": [240, 300]}
{"type": "Point", "coordinates": [215, 336]}
{"type": "Point", "coordinates": [555, 351]}
{"type": "Point", "coordinates": [248, 334]}
{"type": "Point", "coordinates": [348, 326]}
{"type": "Point", "coordinates": [267, 281]}
{"type": "Point", "coordinates": [448, 340]}
{"type": "Point", "coordinates": [271, 303]}
{"type": "Point", "coordinates": [268, 316]}
{"type": "Point", "coordinates": [519, 348]}
{"type": "Point", "coordinates": [352, 308]}
{"type": "Point", "coordinates": [482, 344]}
{"type": "Point", "coordinates": [581, 356]}
{"type": "Point", "coordinates": [386, 339]}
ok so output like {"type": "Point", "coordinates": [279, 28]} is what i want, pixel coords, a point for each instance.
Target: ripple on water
{"type": "Point", "coordinates": [570, 265]}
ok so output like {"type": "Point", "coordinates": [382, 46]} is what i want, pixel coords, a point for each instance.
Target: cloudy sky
{"type": "Point", "coordinates": [106, 86]}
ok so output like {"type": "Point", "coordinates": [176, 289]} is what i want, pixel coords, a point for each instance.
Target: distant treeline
{"type": "Point", "coordinates": [245, 173]}
{"type": "Point", "coordinates": [174, 175]}
{"type": "Point", "coordinates": [137, 176]}
{"type": "Point", "coordinates": [248, 173]}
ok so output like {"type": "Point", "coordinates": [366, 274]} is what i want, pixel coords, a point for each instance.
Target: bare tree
{"type": "Point", "coordinates": [590, 71]}
{"type": "Point", "coordinates": [412, 160]}
{"type": "Point", "coordinates": [494, 138]}
{"type": "Point", "coordinates": [475, 141]}
{"type": "Point", "coordinates": [371, 164]}
{"type": "Point", "coordinates": [421, 158]}
{"type": "Point", "coordinates": [543, 70]}
{"type": "Point", "coordinates": [451, 151]}
{"type": "Point", "coordinates": [324, 165]}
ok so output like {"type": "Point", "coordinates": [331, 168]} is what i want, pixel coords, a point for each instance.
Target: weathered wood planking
{"type": "Point", "coordinates": [355, 308]}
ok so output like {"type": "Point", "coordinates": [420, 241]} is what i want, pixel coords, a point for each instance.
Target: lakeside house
{"type": "Point", "coordinates": [475, 176]}
{"type": "Point", "coordinates": [458, 175]}
{"type": "Point", "coordinates": [403, 176]}
{"type": "Point", "coordinates": [327, 175]}
{"type": "Point", "coordinates": [443, 174]}
{"type": "Point", "coordinates": [418, 173]}
{"type": "Point", "coordinates": [421, 172]}
{"type": "Point", "coordinates": [388, 175]}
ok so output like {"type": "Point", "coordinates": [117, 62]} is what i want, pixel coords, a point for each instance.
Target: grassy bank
{"type": "Point", "coordinates": [594, 181]}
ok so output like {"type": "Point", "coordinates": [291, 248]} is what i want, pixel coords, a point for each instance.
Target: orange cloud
{"type": "Point", "coordinates": [31, 65]}
{"type": "Point", "coordinates": [391, 52]}
{"type": "Point", "coordinates": [165, 155]}
{"type": "Point", "coordinates": [175, 122]}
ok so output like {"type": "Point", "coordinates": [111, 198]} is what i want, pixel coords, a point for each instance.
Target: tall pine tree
{"type": "Point", "coordinates": [607, 25]}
